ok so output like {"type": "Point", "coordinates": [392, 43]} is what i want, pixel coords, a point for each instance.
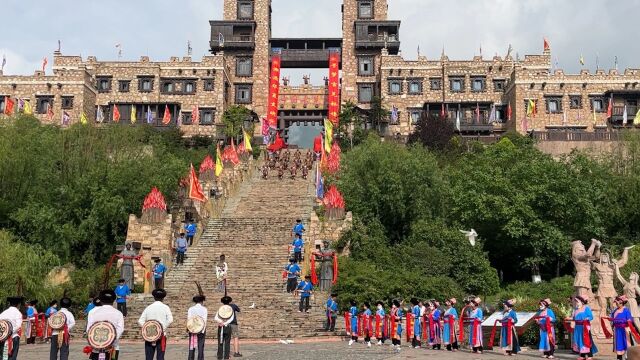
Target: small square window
{"type": "Point", "coordinates": [554, 105]}
{"type": "Point", "coordinates": [395, 87]}
{"type": "Point", "coordinates": [597, 104]}
{"type": "Point", "coordinates": [145, 85]}
{"type": "Point", "coordinates": [243, 94]}
{"type": "Point", "coordinates": [415, 87]}
{"type": "Point", "coordinates": [457, 85]}
{"type": "Point", "coordinates": [365, 9]}
{"type": "Point", "coordinates": [187, 119]}
{"type": "Point", "coordinates": [477, 84]}
{"type": "Point", "coordinates": [2, 103]}
{"type": "Point", "coordinates": [168, 87]}
{"type": "Point", "coordinates": [124, 85]}
{"type": "Point", "coordinates": [189, 87]}
{"type": "Point", "coordinates": [67, 102]}
{"type": "Point", "coordinates": [365, 93]}
{"type": "Point", "coordinates": [245, 10]}
{"type": "Point", "coordinates": [43, 103]}
{"type": "Point", "coordinates": [435, 84]}
{"type": "Point", "coordinates": [365, 66]}
{"type": "Point", "coordinates": [576, 102]}
{"type": "Point", "coordinates": [244, 67]}
{"type": "Point", "coordinates": [499, 85]}
{"type": "Point", "coordinates": [415, 116]}
{"type": "Point", "coordinates": [208, 85]}
{"type": "Point", "coordinates": [103, 84]}
{"type": "Point", "coordinates": [207, 116]}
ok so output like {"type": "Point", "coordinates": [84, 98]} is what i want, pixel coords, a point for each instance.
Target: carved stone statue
{"type": "Point", "coordinates": [126, 270]}
{"type": "Point", "coordinates": [326, 81]}
{"type": "Point", "coordinates": [605, 270]}
{"type": "Point", "coordinates": [582, 261]}
{"type": "Point", "coordinates": [630, 289]}
{"type": "Point", "coordinates": [306, 79]}
{"type": "Point", "coordinates": [285, 81]}
{"type": "Point", "coordinates": [326, 266]}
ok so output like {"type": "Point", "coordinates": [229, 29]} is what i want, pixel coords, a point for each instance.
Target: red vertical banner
{"type": "Point", "coordinates": [334, 87]}
{"type": "Point", "coordinates": [274, 91]}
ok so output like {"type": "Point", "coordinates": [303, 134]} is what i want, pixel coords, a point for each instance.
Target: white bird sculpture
{"type": "Point", "coordinates": [471, 236]}
{"type": "Point", "coordinates": [253, 306]}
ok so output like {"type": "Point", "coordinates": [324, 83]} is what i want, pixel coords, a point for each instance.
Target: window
{"type": "Point", "coordinates": [103, 84]}
{"type": "Point", "coordinates": [575, 101]}
{"type": "Point", "coordinates": [365, 93]}
{"type": "Point", "coordinates": [499, 85]}
{"type": "Point", "coordinates": [207, 116]}
{"type": "Point", "coordinates": [414, 116]}
{"type": "Point", "coordinates": [365, 9]}
{"type": "Point", "coordinates": [395, 87]}
{"type": "Point", "coordinates": [189, 87]}
{"type": "Point", "coordinates": [456, 84]}
{"type": "Point", "coordinates": [435, 83]}
{"type": "Point", "coordinates": [415, 86]}
{"type": "Point", "coordinates": [67, 102]}
{"type": "Point", "coordinates": [124, 85]}
{"type": "Point", "coordinates": [187, 119]}
{"type": "Point", "coordinates": [145, 84]}
{"type": "Point", "coordinates": [244, 67]}
{"type": "Point", "coordinates": [245, 10]}
{"type": "Point", "coordinates": [554, 105]}
{"type": "Point", "coordinates": [2, 103]}
{"type": "Point", "coordinates": [208, 85]}
{"type": "Point", "coordinates": [168, 87]}
{"type": "Point", "coordinates": [478, 84]}
{"type": "Point", "coordinates": [597, 104]}
{"type": "Point", "coordinates": [43, 103]}
{"type": "Point", "coordinates": [365, 66]}
{"type": "Point", "coordinates": [243, 93]}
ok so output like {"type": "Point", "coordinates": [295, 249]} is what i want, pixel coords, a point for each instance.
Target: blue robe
{"type": "Point", "coordinates": [398, 332]}
{"type": "Point", "coordinates": [354, 320]}
{"type": "Point", "coordinates": [417, 323]}
{"type": "Point", "coordinates": [504, 332]}
{"type": "Point", "coordinates": [545, 344]}
{"type": "Point", "coordinates": [475, 314]}
{"type": "Point", "coordinates": [620, 323]}
{"type": "Point", "coordinates": [435, 337]}
{"type": "Point", "coordinates": [450, 313]}
{"type": "Point", "coordinates": [578, 332]}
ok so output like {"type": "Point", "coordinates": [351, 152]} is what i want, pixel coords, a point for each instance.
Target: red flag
{"type": "Point", "coordinates": [477, 113]}
{"type": "Point", "coordinates": [277, 144]}
{"type": "Point", "coordinates": [610, 108]}
{"type": "Point", "coordinates": [547, 47]}
{"type": "Point", "coordinates": [8, 105]}
{"type": "Point", "coordinates": [195, 115]}
{"type": "Point", "coordinates": [116, 113]}
{"type": "Point", "coordinates": [195, 189]}
{"type": "Point", "coordinates": [45, 61]}
{"type": "Point", "coordinates": [334, 87]}
{"type": "Point", "coordinates": [442, 112]}
{"type": "Point", "coordinates": [509, 112]}
{"type": "Point", "coordinates": [274, 91]}
{"type": "Point", "coordinates": [50, 113]}
{"type": "Point", "coordinates": [233, 156]}
{"type": "Point", "coordinates": [166, 118]}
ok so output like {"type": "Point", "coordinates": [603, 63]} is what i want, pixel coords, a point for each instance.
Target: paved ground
{"type": "Point", "coordinates": [328, 350]}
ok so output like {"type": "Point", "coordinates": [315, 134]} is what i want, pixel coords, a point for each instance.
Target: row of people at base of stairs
{"type": "Point", "coordinates": [105, 326]}
{"type": "Point", "coordinates": [441, 326]}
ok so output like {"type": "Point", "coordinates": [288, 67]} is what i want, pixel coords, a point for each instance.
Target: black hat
{"type": "Point", "coordinates": [334, 295]}
{"type": "Point", "coordinates": [199, 298]}
{"type": "Point", "coordinates": [121, 280]}
{"type": "Point", "coordinates": [107, 296]}
{"type": "Point", "coordinates": [292, 260]}
{"type": "Point", "coordinates": [159, 294]}
{"type": "Point", "coordinates": [97, 301]}
{"type": "Point", "coordinates": [414, 301]}
{"type": "Point", "coordinates": [379, 303]}
{"type": "Point", "coordinates": [15, 300]}
{"type": "Point", "coordinates": [298, 220]}
{"type": "Point", "coordinates": [33, 302]}
{"type": "Point", "coordinates": [53, 302]}
{"type": "Point", "coordinates": [353, 303]}
{"type": "Point", "coordinates": [226, 300]}
{"type": "Point", "coordinates": [65, 302]}
{"type": "Point", "coordinates": [157, 260]}
{"type": "Point", "coordinates": [366, 303]}
{"type": "Point", "coordinates": [307, 277]}
{"type": "Point", "coordinates": [396, 303]}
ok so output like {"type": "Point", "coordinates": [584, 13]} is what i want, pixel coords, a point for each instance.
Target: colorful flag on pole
{"type": "Point", "coordinates": [28, 110]}
{"type": "Point", "coordinates": [531, 108]}
{"type": "Point", "coordinates": [319, 184]}
{"type": "Point", "coordinates": [477, 113]}
{"type": "Point", "coordinates": [247, 141]}
{"type": "Point", "coordinates": [195, 115]}
{"type": "Point", "coordinates": [442, 112]}
{"type": "Point", "coordinates": [149, 115]}
{"type": "Point", "coordinates": [99, 115]}
{"type": "Point", "coordinates": [116, 113]}
{"type": "Point", "coordinates": [195, 188]}
{"type": "Point", "coordinates": [8, 105]}
{"type": "Point", "coordinates": [50, 112]}
{"type": "Point", "coordinates": [610, 109]}
{"type": "Point", "coordinates": [45, 61]}
{"type": "Point", "coordinates": [581, 60]}
{"type": "Point", "coordinates": [636, 120]}
{"type": "Point", "coordinates": [394, 114]}
{"type": "Point", "coordinates": [492, 114]}
{"type": "Point", "coordinates": [547, 47]}
{"type": "Point", "coordinates": [83, 118]}
{"type": "Point", "coordinates": [65, 118]}
{"type": "Point", "coordinates": [458, 120]}
{"type": "Point", "coordinates": [625, 116]}
{"type": "Point", "coordinates": [166, 118]}
{"type": "Point", "coordinates": [328, 135]}
{"type": "Point", "coordinates": [233, 153]}
{"type": "Point", "coordinates": [134, 117]}
{"type": "Point", "coordinates": [509, 112]}
{"type": "Point", "coordinates": [219, 165]}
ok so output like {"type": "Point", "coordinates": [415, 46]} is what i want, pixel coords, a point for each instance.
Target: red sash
{"type": "Point", "coordinates": [474, 329]}
{"type": "Point", "coordinates": [548, 327]}
{"type": "Point", "coordinates": [461, 321]}
{"type": "Point", "coordinates": [493, 332]}
{"type": "Point", "coordinates": [425, 335]}
{"type": "Point", "coordinates": [365, 323]}
{"type": "Point", "coordinates": [629, 324]}
{"type": "Point", "coordinates": [163, 343]}
{"type": "Point", "coordinates": [359, 325]}
{"type": "Point", "coordinates": [452, 329]}
{"type": "Point", "coordinates": [432, 328]}
{"type": "Point", "coordinates": [380, 326]}
{"type": "Point", "coordinates": [393, 325]}
{"type": "Point", "coordinates": [347, 322]}
{"type": "Point", "coordinates": [605, 330]}
{"type": "Point", "coordinates": [586, 332]}
{"type": "Point", "coordinates": [410, 322]}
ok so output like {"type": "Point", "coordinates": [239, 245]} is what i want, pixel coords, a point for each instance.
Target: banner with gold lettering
{"type": "Point", "coordinates": [334, 87]}
{"type": "Point", "coordinates": [274, 90]}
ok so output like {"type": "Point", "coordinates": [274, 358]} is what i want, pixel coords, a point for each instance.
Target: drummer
{"type": "Point", "coordinates": [197, 336]}
{"type": "Point", "coordinates": [161, 313]}
{"type": "Point", "coordinates": [62, 346]}
{"type": "Point", "coordinates": [106, 312]}
{"type": "Point", "coordinates": [13, 316]}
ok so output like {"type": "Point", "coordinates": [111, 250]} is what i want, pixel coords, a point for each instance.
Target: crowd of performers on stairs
{"type": "Point", "coordinates": [283, 162]}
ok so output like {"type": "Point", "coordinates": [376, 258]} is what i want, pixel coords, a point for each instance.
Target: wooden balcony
{"type": "Point", "coordinates": [237, 35]}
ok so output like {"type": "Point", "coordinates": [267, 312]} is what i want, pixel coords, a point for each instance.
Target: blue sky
{"type": "Point", "coordinates": [161, 28]}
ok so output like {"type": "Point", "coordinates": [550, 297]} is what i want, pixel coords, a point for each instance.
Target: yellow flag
{"type": "Point", "coordinates": [581, 60]}
{"type": "Point", "coordinates": [133, 114]}
{"type": "Point", "coordinates": [219, 165]}
{"type": "Point", "coordinates": [247, 141]}
{"type": "Point", "coordinates": [636, 121]}
{"type": "Point", "coordinates": [83, 118]}
{"type": "Point", "coordinates": [328, 135]}
{"type": "Point", "coordinates": [27, 108]}
{"type": "Point", "coordinates": [595, 120]}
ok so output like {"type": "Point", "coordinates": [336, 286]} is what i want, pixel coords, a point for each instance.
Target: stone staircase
{"type": "Point", "coordinates": [254, 233]}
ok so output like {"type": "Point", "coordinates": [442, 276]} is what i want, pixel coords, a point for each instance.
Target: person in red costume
{"type": "Point", "coordinates": [278, 144]}
{"type": "Point", "coordinates": [317, 145]}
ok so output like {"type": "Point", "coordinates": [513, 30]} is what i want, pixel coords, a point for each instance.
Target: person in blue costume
{"type": "Point", "coordinates": [621, 323]}
{"type": "Point", "coordinates": [380, 322]}
{"type": "Point", "coordinates": [475, 328]}
{"type": "Point", "coordinates": [417, 324]}
{"type": "Point", "coordinates": [366, 323]}
{"type": "Point", "coordinates": [395, 318]}
{"type": "Point", "coordinates": [508, 336]}
{"type": "Point", "coordinates": [353, 321]}
{"type": "Point", "coordinates": [122, 292]}
{"type": "Point", "coordinates": [545, 318]}
{"type": "Point", "coordinates": [332, 312]}
{"type": "Point", "coordinates": [434, 326]}
{"type": "Point", "coordinates": [582, 338]}
{"type": "Point", "coordinates": [450, 318]}
{"type": "Point", "coordinates": [298, 245]}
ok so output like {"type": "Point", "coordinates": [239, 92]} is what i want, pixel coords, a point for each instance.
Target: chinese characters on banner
{"type": "Point", "coordinates": [334, 87]}
{"type": "Point", "coordinates": [274, 89]}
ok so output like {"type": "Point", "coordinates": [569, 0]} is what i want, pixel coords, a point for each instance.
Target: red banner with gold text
{"type": "Point", "coordinates": [274, 90]}
{"type": "Point", "coordinates": [334, 87]}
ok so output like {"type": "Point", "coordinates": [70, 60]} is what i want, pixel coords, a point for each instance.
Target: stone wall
{"type": "Point", "coordinates": [560, 148]}
{"type": "Point", "coordinates": [156, 240]}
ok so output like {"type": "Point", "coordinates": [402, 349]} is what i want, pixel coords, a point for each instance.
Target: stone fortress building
{"type": "Point", "coordinates": [475, 94]}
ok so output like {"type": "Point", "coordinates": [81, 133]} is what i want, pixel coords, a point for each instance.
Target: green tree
{"type": "Point", "coordinates": [433, 132]}
{"type": "Point", "coordinates": [378, 113]}
{"type": "Point", "coordinates": [351, 129]}
{"type": "Point", "coordinates": [233, 120]}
